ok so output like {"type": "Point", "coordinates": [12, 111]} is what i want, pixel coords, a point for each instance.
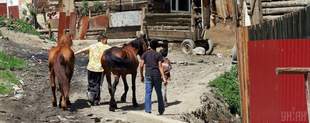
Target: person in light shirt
{"type": "Point", "coordinates": [95, 70]}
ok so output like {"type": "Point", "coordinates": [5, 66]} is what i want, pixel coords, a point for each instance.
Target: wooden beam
{"type": "Point", "coordinates": [168, 15]}
{"type": "Point", "coordinates": [176, 35]}
{"type": "Point", "coordinates": [277, 4]}
{"type": "Point", "coordinates": [161, 27]}
{"type": "Point", "coordinates": [243, 72]}
{"type": "Point", "coordinates": [276, 11]}
{"type": "Point", "coordinates": [292, 70]}
{"type": "Point", "coordinates": [56, 30]}
{"type": "Point", "coordinates": [271, 17]}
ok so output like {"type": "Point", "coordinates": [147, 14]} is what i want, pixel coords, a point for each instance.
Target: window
{"type": "Point", "coordinates": [180, 5]}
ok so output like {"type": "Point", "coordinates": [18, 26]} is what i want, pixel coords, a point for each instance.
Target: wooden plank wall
{"type": "Point", "coordinates": [290, 26]}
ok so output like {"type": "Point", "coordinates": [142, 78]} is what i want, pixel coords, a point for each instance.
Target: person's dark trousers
{"type": "Point", "coordinates": [151, 82]}
{"type": "Point", "coordinates": [94, 86]}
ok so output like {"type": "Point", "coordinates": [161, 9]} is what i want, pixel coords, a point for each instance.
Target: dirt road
{"type": "Point", "coordinates": [188, 83]}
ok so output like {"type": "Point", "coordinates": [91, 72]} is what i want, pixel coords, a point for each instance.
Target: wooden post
{"type": "Point", "coordinates": [243, 72]}
{"type": "Point", "coordinates": [142, 20]}
{"type": "Point", "coordinates": [298, 70]}
{"type": "Point", "coordinates": [193, 15]}
{"type": "Point", "coordinates": [256, 12]}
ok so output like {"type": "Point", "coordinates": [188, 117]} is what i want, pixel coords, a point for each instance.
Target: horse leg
{"type": "Point", "coordinates": [134, 100]}
{"type": "Point", "coordinates": [53, 87]}
{"type": "Point", "coordinates": [61, 95]}
{"type": "Point", "coordinates": [70, 78]}
{"type": "Point", "coordinates": [108, 75]}
{"type": "Point", "coordinates": [65, 97]}
{"type": "Point", "coordinates": [123, 98]}
{"type": "Point", "coordinates": [113, 104]}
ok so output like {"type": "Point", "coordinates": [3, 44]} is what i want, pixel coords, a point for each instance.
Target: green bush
{"type": "Point", "coordinates": [227, 86]}
{"type": "Point", "coordinates": [85, 8]}
{"type": "Point", "coordinates": [98, 7]}
{"type": "Point", "coordinates": [21, 26]}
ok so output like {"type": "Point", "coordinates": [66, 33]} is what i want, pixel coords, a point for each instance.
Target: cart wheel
{"type": "Point", "coordinates": [209, 48]}
{"type": "Point", "coordinates": [187, 46]}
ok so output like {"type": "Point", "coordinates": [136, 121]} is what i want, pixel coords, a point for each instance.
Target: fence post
{"type": "Point", "coordinates": [243, 71]}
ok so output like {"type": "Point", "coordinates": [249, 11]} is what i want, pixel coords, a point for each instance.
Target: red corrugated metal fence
{"type": "Point", "coordinates": [3, 9]}
{"type": "Point", "coordinates": [281, 98]}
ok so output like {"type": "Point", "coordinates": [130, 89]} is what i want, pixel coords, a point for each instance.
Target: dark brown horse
{"type": "Point", "coordinates": [61, 66]}
{"type": "Point", "coordinates": [123, 61]}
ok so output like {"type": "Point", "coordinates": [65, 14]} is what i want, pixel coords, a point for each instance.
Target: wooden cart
{"type": "Point", "coordinates": [189, 29]}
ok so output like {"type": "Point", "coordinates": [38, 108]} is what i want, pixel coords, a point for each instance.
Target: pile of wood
{"type": "Point", "coordinates": [275, 9]}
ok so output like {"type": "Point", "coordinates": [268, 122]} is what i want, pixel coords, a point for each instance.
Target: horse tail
{"type": "Point", "coordinates": [60, 69]}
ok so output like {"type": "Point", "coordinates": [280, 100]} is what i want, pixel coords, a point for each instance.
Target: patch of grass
{"type": "Point", "coordinates": [2, 21]}
{"type": "Point", "coordinates": [21, 26]}
{"type": "Point", "coordinates": [5, 89]}
{"type": "Point", "coordinates": [10, 62]}
{"type": "Point", "coordinates": [7, 78]}
{"type": "Point", "coordinates": [227, 86]}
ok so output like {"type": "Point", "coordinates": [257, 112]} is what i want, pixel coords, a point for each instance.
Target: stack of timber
{"type": "Point", "coordinates": [168, 26]}
{"type": "Point", "coordinates": [295, 25]}
{"type": "Point", "coordinates": [275, 9]}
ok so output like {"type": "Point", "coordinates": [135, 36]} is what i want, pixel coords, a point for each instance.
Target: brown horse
{"type": "Point", "coordinates": [61, 66]}
{"type": "Point", "coordinates": [123, 61]}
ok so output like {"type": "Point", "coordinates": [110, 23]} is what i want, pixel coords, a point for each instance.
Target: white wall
{"type": "Point", "coordinates": [2, 1]}
{"type": "Point", "coordinates": [12, 2]}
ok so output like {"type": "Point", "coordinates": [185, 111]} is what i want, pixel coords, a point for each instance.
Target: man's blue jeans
{"type": "Point", "coordinates": [151, 82]}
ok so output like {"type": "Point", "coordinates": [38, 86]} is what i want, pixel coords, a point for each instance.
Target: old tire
{"type": "Point", "coordinates": [187, 46]}
{"type": "Point", "coordinates": [234, 55]}
{"type": "Point", "coordinates": [209, 48]}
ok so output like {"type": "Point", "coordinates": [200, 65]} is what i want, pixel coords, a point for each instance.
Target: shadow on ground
{"type": "Point", "coordinates": [79, 104]}
{"type": "Point", "coordinates": [141, 106]}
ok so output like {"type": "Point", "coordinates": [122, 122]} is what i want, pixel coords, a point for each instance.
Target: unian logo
{"type": "Point", "coordinates": [293, 116]}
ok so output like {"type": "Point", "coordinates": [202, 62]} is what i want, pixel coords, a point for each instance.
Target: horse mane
{"type": "Point", "coordinates": [65, 40]}
{"type": "Point", "coordinates": [137, 44]}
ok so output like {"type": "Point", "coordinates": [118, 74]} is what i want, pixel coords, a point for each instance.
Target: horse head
{"type": "Point", "coordinates": [144, 45]}
{"type": "Point", "coordinates": [65, 40]}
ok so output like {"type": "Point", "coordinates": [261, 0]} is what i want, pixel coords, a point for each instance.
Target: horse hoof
{"type": "Point", "coordinates": [112, 109]}
{"type": "Point", "coordinates": [68, 103]}
{"type": "Point", "coordinates": [123, 99]}
{"type": "Point", "coordinates": [135, 105]}
{"type": "Point", "coordinates": [54, 104]}
{"type": "Point", "coordinates": [64, 108]}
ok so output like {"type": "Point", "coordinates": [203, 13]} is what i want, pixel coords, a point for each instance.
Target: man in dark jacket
{"type": "Point", "coordinates": [154, 75]}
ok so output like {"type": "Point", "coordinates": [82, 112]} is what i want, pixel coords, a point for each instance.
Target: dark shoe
{"type": "Point", "coordinates": [161, 113]}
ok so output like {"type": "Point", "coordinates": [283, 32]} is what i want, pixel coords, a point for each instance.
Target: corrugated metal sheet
{"type": "Point", "coordinates": [3, 9]}
{"type": "Point", "coordinates": [273, 98]}
{"type": "Point", "coordinates": [14, 12]}
{"type": "Point", "coordinates": [100, 21]}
